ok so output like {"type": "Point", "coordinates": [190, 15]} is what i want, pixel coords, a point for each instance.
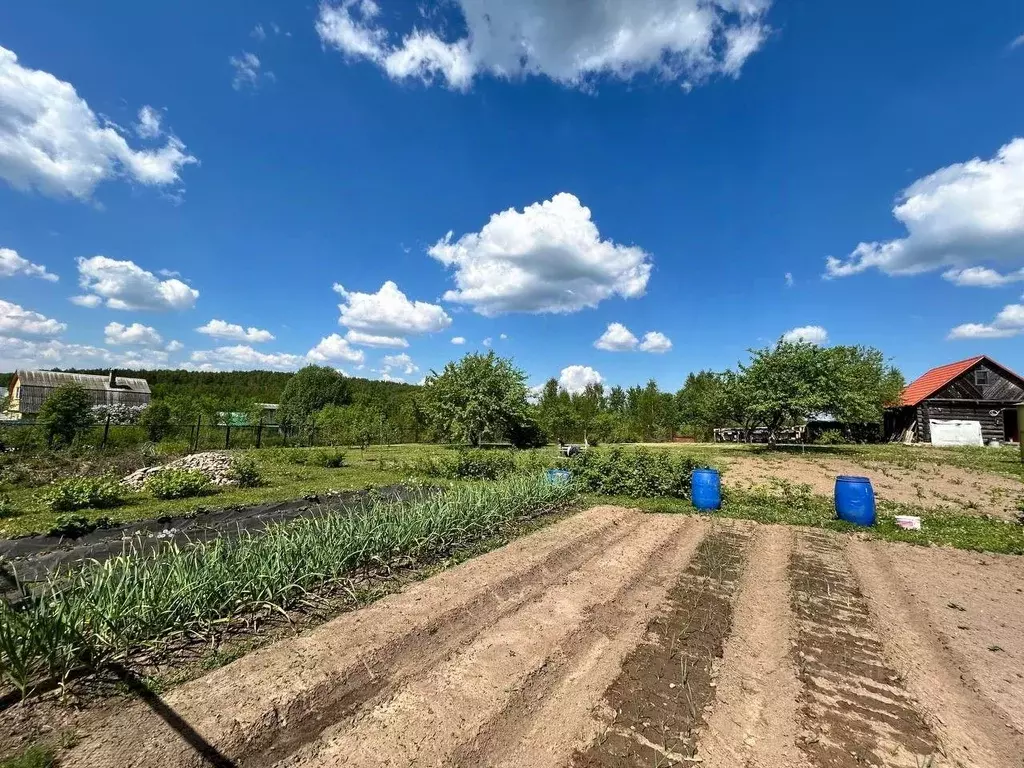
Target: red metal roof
{"type": "Point", "coordinates": [935, 379]}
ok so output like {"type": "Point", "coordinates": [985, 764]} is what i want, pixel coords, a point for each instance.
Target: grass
{"type": "Point", "coordinates": [36, 756]}
{"type": "Point", "coordinates": [105, 612]}
{"type": "Point", "coordinates": [788, 504]}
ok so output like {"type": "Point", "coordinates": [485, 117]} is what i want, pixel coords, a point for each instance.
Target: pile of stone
{"type": "Point", "coordinates": [216, 466]}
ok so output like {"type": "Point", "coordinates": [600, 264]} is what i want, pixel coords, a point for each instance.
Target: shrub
{"type": "Point", "coordinates": [65, 415]}
{"type": "Point", "coordinates": [246, 472]}
{"type": "Point", "coordinates": [475, 464]}
{"type": "Point", "coordinates": [6, 507]}
{"type": "Point", "coordinates": [639, 473]}
{"type": "Point", "coordinates": [74, 526]}
{"type": "Point", "coordinates": [156, 418]}
{"type": "Point", "coordinates": [83, 492]}
{"type": "Point", "coordinates": [177, 483]}
{"type": "Point", "coordinates": [331, 458]}
{"type": "Point", "coordinates": [831, 437]}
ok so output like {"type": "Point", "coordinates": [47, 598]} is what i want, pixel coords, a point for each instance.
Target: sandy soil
{"type": "Point", "coordinates": [924, 485]}
{"type": "Point", "coordinates": [620, 639]}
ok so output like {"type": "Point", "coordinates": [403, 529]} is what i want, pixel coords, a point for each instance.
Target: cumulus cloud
{"type": "Point", "coordinates": [656, 342]}
{"type": "Point", "coordinates": [12, 264]}
{"type": "Point", "coordinates": [371, 340]}
{"type": "Point", "coordinates": [807, 334]}
{"type": "Point", "coordinates": [248, 72]}
{"type": "Point", "coordinates": [960, 216]}
{"type": "Point", "coordinates": [790, 282]}
{"type": "Point", "coordinates": [219, 329]}
{"type": "Point", "coordinates": [15, 320]}
{"type": "Point", "coordinates": [488, 341]}
{"type": "Point", "coordinates": [88, 301]}
{"type": "Point", "coordinates": [401, 362]}
{"type": "Point", "coordinates": [244, 357]}
{"type": "Point", "coordinates": [982, 277]}
{"type": "Point", "coordinates": [51, 140]}
{"type": "Point", "coordinates": [575, 378]}
{"type": "Point", "coordinates": [23, 353]}
{"type": "Point", "coordinates": [174, 346]}
{"type": "Point", "coordinates": [148, 126]}
{"type": "Point", "coordinates": [618, 338]}
{"type": "Point", "coordinates": [124, 285]}
{"type": "Point", "coordinates": [1008, 323]}
{"type": "Point", "coordinates": [334, 348]}
{"type": "Point", "coordinates": [549, 257]}
{"type": "Point", "coordinates": [503, 336]}
{"type": "Point", "coordinates": [389, 313]}
{"type": "Point", "coordinates": [136, 333]}
{"type": "Point", "coordinates": [571, 43]}
{"type": "Point", "coordinates": [458, 340]}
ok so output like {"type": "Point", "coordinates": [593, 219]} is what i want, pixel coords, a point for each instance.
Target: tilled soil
{"type": "Point", "coordinates": [616, 638]}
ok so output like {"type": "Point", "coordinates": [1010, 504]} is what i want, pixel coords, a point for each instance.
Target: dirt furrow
{"type": "Point", "coordinates": [657, 702]}
{"type": "Point", "coordinates": [552, 713]}
{"type": "Point", "coordinates": [264, 705]}
{"type": "Point", "coordinates": [967, 716]}
{"type": "Point", "coordinates": [428, 720]}
{"type": "Point", "coordinates": [753, 720]}
{"type": "Point", "coordinates": [854, 708]}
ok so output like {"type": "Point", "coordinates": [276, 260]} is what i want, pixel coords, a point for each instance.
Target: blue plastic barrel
{"type": "Point", "coordinates": [855, 500]}
{"type": "Point", "coordinates": [706, 489]}
{"type": "Point", "coordinates": [558, 476]}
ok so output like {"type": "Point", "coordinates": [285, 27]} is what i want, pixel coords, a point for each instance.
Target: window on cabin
{"type": "Point", "coordinates": [981, 377]}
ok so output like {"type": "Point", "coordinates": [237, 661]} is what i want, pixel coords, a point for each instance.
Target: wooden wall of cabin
{"type": "Point", "coordinates": [951, 410]}
{"type": "Point", "coordinates": [998, 387]}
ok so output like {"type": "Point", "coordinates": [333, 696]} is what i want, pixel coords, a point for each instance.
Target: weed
{"type": "Point", "coordinates": [177, 483]}
{"type": "Point", "coordinates": [6, 507]}
{"type": "Point", "coordinates": [82, 493]}
{"type": "Point", "coordinates": [35, 756]}
{"type": "Point", "coordinates": [246, 472]}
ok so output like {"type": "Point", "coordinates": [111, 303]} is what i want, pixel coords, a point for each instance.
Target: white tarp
{"type": "Point", "coordinates": [956, 433]}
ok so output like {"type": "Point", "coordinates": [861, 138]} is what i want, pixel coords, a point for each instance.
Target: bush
{"type": "Point", "coordinates": [6, 508]}
{"type": "Point", "coordinates": [331, 458]}
{"type": "Point", "coordinates": [246, 472]}
{"type": "Point", "coordinates": [638, 473]}
{"type": "Point", "coordinates": [65, 415]}
{"type": "Point", "coordinates": [83, 492]}
{"type": "Point", "coordinates": [475, 464]}
{"type": "Point", "coordinates": [73, 526]}
{"type": "Point", "coordinates": [177, 483]}
{"type": "Point", "coordinates": [831, 437]}
{"type": "Point", "coordinates": [156, 418]}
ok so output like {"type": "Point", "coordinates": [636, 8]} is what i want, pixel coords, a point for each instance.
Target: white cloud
{"type": "Point", "coordinates": [12, 264]}
{"type": "Point", "coordinates": [219, 329]}
{"type": "Point", "coordinates": [174, 346]}
{"type": "Point", "coordinates": [123, 285]}
{"type": "Point", "coordinates": [790, 282]}
{"type": "Point", "coordinates": [334, 348]}
{"type": "Point", "coordinates": [21, 353]}
{"type": "Point", "coordinates": [808, 334]}
{"type": "Point", "coordinates": [1018, 42]}
{"type": "Point", "coordinates": [389, 313]}
{"type": "Point", "coordinates": [371, 340]}
{"type": "Point", "coordinates": [572, 43]}
{"type": "Point", "coordinates": [88, 301]}
{"type": "Point", "coordinates": [52, 141]}
{"type": "Point", "coordinates": [962, 215]}
{"type": "Point", "coordinates": [248, 72]}
{"type": "Point", "coordinates": [136, 333]}
{"type": "Point", "coordinates": [258, 33]}
{"type": "Point", "coordinates": [15, 320]}
{"type": "Point", "coordinates": [547, 258]}
{"type": "Point", "coordinates": [488, 341]}
{"type": "Point", "coordinates": [400, 362]}
{"type": "Point", "coordinates": [148, 126]}
{"type": "Point", "coordinates": [575, 378]}
{"type": "Point", "coordinates": [982, 277]}
{"type": "Point", "coordinates": [656, 342]}
{"type": "Point", "coordinates": [244, 357]}
{"type": "Point", "coordinates": [617, 338]}
{"type": "Point", "coordinates": [1009, 322]}
{"type": "Point", "coordinates": [503, 336]}
{"type": "Point", "coordinates": [458, 340]}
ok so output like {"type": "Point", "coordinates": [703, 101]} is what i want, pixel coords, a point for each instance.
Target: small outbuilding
{"type": "Point", "coordinates": [28, 389]}
{"type": "Point", "coordinates": [972, 396]}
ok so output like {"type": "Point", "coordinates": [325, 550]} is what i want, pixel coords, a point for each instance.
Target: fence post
{"type": "Point", "coordinates": [227, 435]}
{"type": "Point", "coordinates": [199, 432]}
{"type": "Point", "coordinates": [259, 434]}
{"type": "Point", "coordinates": [106, 431]}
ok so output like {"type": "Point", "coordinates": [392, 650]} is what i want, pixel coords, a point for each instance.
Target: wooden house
{"type": "Point", "coordinates": [974, 390]}
{"type": "Point", "coordinates": [28, 389]}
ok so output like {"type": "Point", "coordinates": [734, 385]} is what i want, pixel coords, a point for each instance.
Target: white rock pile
{"type": "Point", "coordinates": [217, 467]}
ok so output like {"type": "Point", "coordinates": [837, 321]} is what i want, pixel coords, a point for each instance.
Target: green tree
{"type": "Point", "coordinates": [156, 419]}
{"type": "Point", "coordinates": [65, 414]}
{"type": "Point", "coordinates": [702, 404]}
{"type": "Point", "coordinates": [479, 395]}
{"type": "Point", "coordinates": [308, 391]}
{"type": "Point", "coordinates": [587, 407]}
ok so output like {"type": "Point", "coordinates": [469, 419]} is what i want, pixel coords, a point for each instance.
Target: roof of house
{"type": "Point", "coordinates": [84, 380]}
{"type": "Point", "coordinates": [932, 381]}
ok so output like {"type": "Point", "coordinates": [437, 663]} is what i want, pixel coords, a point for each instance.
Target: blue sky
{"type": "Point", "coordinates": [680, 168]}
